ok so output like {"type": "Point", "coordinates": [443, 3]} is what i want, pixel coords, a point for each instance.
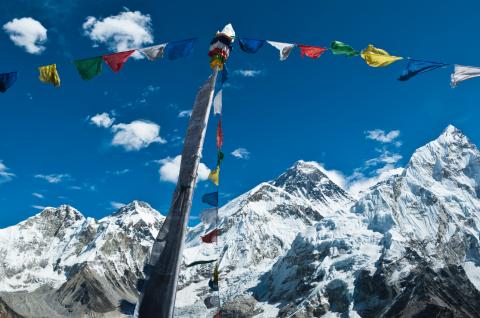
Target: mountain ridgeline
{"type": "Point", "coordinates": [297, 246]}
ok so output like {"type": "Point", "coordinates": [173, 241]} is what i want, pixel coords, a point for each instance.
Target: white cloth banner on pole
{"type": "Point", "coordinates": [217, 103]}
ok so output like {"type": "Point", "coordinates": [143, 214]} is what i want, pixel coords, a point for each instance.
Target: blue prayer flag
{"type": "Point", "coordinates": [250, 45]}
{"type": "Point", "coordinates": [211, 199]}
{"type": "Point", "coordinates": [7, 80]}
{"type": "Point", "coordinates": [415, 67]}
{"type": "Point", "coordinates": [179, 49]}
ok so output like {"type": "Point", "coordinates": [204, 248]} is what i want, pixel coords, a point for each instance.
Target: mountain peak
{"type": "Point", "coordinates": [134, 212]}
{"type": "Point", "coordinates": [63, 212]}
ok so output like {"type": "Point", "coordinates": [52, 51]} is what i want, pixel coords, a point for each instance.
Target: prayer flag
{"type": "Point", "coordinates": [210, 198]}
{"type": "Point", "coordinates": [415, 67]}
{"type": "Point", "coordinates": [250, 45]}
{"type": "Point", "coordinates": [179, 49]}
{"type": "Point", "coordinates": [220, 157]}
{"type": "Point", "coordinates": [213, 285]}
{"type": "Point", "coordinates": [340, 48]}
{"type": "Point", "coordinates": [219, 134]}
{"type": "Point", "coordinates": [228, 30]}
{"type": "Point", "coordinates": [217, 315]}
{"type": "Point", "coordinates": [283, 48]}
{"type": "Point", "coordinates": [208, 216]}
{"type": "Point", "coordinates": [462, 73]}
{"type": "Point", "coordinates": [210, 237]}
{"type": "Point", "coordinates": [212, 302]}
{"type": "Point", "coordinates": [213, 282]}
{"type": "Point", "coordinates": [313, 52]}
{"type": "Point", "coordinates": [7, 80]}
{"type": "Point", "coordinates": [116, 60]}
{"type": "Point", "coordinates": [377, 57]}
{"type": "Point", "coordinates": [200, 262]}
{"type": "Point", "coordinates": [49, 74]}
{"type": "Point", "coordinates": [153, 52]}
{"type": "Point", "coordinates": [214, 175]}
{"type": "Point", "coordinates": [89, 68]}
{"type": "Point", "coordinates": [217, 103]}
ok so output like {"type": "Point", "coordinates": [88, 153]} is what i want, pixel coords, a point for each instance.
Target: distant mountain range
{"type": "Point", "coordinates": [297, 246]}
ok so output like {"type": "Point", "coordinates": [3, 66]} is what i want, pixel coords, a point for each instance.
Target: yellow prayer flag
{"type": "Point", "coordinates": [214, 175]}
{"type": "Point", "coordinates": [49, 74]}
{"type": "Point", "coordinates": [377, 57]}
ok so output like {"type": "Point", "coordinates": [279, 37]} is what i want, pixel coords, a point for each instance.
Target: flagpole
{"type": "Point", "coordinates": [162, 269]}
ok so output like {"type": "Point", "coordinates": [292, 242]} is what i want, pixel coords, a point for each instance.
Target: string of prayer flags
{"type": "Point", "coordinates": [217, 103]}
{"type": "Point", "coordinates": [250, 45]}
{"type": "Point", "coordinates": [283, 48]}
{"type": "Point", "coordinates": [214, 175]}
{"type": "Point", "coordinates": [340, 48]}
{"type": "Point", "coordinates": [313, 52]}
{"type": "Point", "coordinates": [201, 262]}
{"type": "Point", "coordinates": [212, 302]}
{"type": "Point", "coordinates": [208, 216]}
{"type": "Point", "coordinates": [462, 73]}
{"type": "Point", "coordinates": [220, 47]}
{"type": "Point", "coordinates": [178, 49]}
{"type": "Point", "coordinates": [153, 52]}
{"type": "Point", "coordinates": [49, 74]}
{"type": "Point", "coordinates": [7, 80]}
{"type": "Point", "coordinates": [219, 134]}
{"type": "Point", "coordinates": [375, 57]}
{"type": "Point", "coordinates": [211, 199]}
{"type": "Point", "coordinates": [210, 237]}
{"type": "Point", "coordinates": [415, 67]}
{"type": "Point", "coordinates": [213, 282]}
{"type": "Point", "coordinates": [220, 157]}
{"type": "Point", "coordinates": [116, 60]}
{"type": "Point", "coordinates": [89, 68]}
{"type": "Point", "coordinates": [217, 315]}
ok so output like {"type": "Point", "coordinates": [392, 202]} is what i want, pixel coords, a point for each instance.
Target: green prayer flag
{"type": "Point", "coordinates": [340, 48]}
{"type": "Point", "coordinates": [89, 68]}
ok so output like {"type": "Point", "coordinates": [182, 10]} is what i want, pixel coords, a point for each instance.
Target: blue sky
{"type": "Point", "coordinates": [331, 110]}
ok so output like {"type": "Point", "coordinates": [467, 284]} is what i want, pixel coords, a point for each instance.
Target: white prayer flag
{"type": "Point", "coordinates": [217, 103]}
{"type": "Point", "coordinates": [462, 73]}
{"type": "Point", "coordinates": [283, 48]}
{"type": "Point", "coordinates": [153, 52]}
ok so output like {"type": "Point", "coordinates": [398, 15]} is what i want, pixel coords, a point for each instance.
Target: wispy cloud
{"type": "Point", "coordinates": [117, 205]}
{"type": "Point", "coordinates": [39, 207]}
{"type": "Point", "coordinates": [5, 174]}
{"type": "Point", "coordinates": [38, 195]}
{"type": "Point", "coordinates": [121, 32]}
{"type": "Point", "coordinates": [248, 73]}
{"type": "Point", "coordinates": [119, 172]}
{"type": "Point", "coordinates": [54, 178]}
{"type": "Point", "coordinates": [27, 33]}
{"type": "Point", "coordinates": [184, 113]}
{"type": "Point", "coordinates": [170, 168]}
{"type": "Point", "coordinates": [241, 153]}
{"type": "Point", "coordinates": [384, 137]}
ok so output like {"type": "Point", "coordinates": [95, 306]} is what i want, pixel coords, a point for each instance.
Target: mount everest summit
{"type": "Point", "coordinates": [297, 246]}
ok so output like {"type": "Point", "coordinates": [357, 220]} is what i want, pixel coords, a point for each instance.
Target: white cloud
{"type": "Point", "coordinates": [170, 168]}
{"type": "Point", "coordinates": [38, 195]}
{"type": "Point", "coordinates": [39, 207]}
{"type": "Point", "coordinates": [136, 135]}
{"type": "Point", "coordinates": [27, 33]}
{"type": "Point", "coordinates": [248, 73]}
{"type": "Point", "coordinates": [102, 120]}
{"type": "Point", "coordinates": [5, 175]}
{"type": "Point", "coordinates": [117, 205]}
{"type": "Point", "coordinates": [382, 137]}
{"type": "Point", "coordinates": [185, 113]}
{"type": "Point", "coordinates": [53, 178]}
{"type": "Point", "coordinates": [334, 175]}
{"type": "Point", "coordinates": [127, 30]}
{"type": "Point", "coordinates": [119, 172]}
{"type": "Point", "coordinates": [241, 153]}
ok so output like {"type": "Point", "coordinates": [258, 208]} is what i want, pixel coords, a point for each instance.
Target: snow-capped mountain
{"type": "Point", "coordinates": [297, 246]}
{"type": "Point", "coordinates": [59, 263]}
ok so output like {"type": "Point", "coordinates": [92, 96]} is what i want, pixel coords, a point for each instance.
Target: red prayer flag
{"type": "Point", "coordinates": [210, 237]}
{"type": "Point", "coordinates": [217, 315]}
{"type": "Point", "coordinates": [311, 51]}
{"type": "Point", "coordinates": [219, 135]}
{"type": "Point", "coordinates": [116, 60]}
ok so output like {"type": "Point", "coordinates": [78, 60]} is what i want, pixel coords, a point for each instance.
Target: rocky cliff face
{"type": "Point", "coordinates": [297, 246]}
